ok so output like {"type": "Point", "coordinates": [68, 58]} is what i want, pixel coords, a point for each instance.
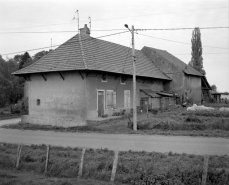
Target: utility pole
{"type": "Point", "coordinates": [134, 80]}
{"type": "Point", "coordinates": [134, 84]}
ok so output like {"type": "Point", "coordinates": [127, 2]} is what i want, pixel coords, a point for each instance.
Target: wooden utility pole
{"type": "Point", "coordinates": [134, 84]}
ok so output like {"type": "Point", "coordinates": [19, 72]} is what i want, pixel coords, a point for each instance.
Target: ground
{"type": "Point", "coordinates": [15, 177]}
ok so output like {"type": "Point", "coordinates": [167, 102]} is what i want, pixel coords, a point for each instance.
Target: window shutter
{"type": "Point", "coordinates": [128, 95]}
{"type": "Point", "coordinates": [127, 98]}
{"type": "Point", "coordinates": [114, 99]}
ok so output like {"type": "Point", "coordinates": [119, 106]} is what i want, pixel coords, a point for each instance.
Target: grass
{"type": "Point", "coordinates": [172, 122]}
{"type": "Point", "coordinates": [9, 116]}
{"type": "Point", "coordinates": [133, 167]}
{"type": "Point", "coordinates": [13, 177]}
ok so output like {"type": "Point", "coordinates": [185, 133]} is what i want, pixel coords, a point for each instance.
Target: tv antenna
{"type": "Point", "coordinates": [90, 23]}
{"type": "Point", "coordinates": [77, 18]}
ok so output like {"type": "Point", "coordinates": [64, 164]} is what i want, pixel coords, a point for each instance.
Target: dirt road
{"type": "Point", "coordinates": [177, 144]}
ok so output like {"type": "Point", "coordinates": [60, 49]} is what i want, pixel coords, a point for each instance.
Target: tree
{"type": "Point", "coordinates": [24, 59]}
{"type": "Point", "coordinates": [197, 59]}
{"type": "Point", "coordinates": [213, 87]}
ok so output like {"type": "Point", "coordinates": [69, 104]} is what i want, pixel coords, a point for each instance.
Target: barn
{"type": "Point", "coordinates": [186, 81]}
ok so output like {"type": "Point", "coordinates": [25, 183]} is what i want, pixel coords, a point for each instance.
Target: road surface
{"type": "Point", "coordinates": [135, 142]}
{"type": "Point", "coordinates": [9, 121]}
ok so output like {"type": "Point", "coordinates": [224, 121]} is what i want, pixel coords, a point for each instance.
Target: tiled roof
{"type": "Point", "coordinates": [177, 62]}
{"type": "Point", "coordinates": [98, 55]}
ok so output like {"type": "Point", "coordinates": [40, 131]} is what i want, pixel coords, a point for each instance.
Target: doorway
{"type": "Point", "coordinates": [100, 98]}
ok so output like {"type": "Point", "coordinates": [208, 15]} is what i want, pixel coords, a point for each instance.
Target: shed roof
{"type": "Point", "coordinates": [177, 62]}
{"type": "Point", "coordinates": [93, 54]}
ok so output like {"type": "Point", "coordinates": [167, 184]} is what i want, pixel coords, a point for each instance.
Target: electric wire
{"type": "Point", "coordinates": [68, 43]}
{"type": "Point", "coordinates": [202, 28]}
{"type": "Point", "coordinates": [152, 29]}
{"type": "Point", "coordinates": [179, 41]}
{"type": "Point", "coordinates": [117, 18]}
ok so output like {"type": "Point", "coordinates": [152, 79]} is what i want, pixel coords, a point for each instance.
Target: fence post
{"type": "Point", "coordinates": [18, 155]}
{"type": "Point", "coordinates": [47, 159]}
{"type": "Point", "coordinates": [81, 163]}
{"type": "Point", "coordinates": [115, 163]}
{"type": "Point", "coordinates": [205, 170]}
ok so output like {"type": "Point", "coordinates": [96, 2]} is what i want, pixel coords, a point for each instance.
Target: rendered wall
{"type": "Point", "coordinates": [94, 83]}
{"type": "Point", "coordinates": [193, 88]}
{"type": "Point", "coordinates": [62, 102]}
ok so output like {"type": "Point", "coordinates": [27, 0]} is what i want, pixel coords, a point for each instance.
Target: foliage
{"type": "Point", "coordinates": [197, 59]}
{"type": "Point", "coordinates": [213, 87]}
{"type": "Point", "coordinates": [12, 87]}
{"type": "Point", "coordinates": [24, 59]}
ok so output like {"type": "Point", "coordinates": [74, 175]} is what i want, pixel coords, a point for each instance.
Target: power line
{"type": "Point", "coordinates": [126, 57]}
{"type": "Point", "coordinates": [116, 18]}
{"type": "Point", "coordinates": [206, 54]}
{"type": "Point", "coordinates": [64, 31]}
{"type": "Point", "coordinates": [74, 31]}
{"type": "Point", "coordinates": [181, 28]}
{"type": "Point", "coordinates": [69, 43]}
{"type": "Point", "coordinates": [178, 41]}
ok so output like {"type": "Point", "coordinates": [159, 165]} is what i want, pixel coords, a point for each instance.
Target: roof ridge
{"type": "Point", "coordinates": [82, 52]}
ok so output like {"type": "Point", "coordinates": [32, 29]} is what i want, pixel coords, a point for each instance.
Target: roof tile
{"type": "Point", "coordinates": [99, 55]}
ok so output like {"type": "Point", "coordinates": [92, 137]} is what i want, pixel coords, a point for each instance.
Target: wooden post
{"type": "Point", "coordinates": [205, 170]}
{"type": "Point", "coordinates": [81, 163]}
{"type": "Point", "coordinates": [134, 83]}
{"type": "Point", "coordinates": [47, 159]}
{"type": "Point", "coordinates": [18, 155]}
{"type": "Point", "coordinates": [147, 108]}
{"type": "Point", "coordinates": [115, 163]}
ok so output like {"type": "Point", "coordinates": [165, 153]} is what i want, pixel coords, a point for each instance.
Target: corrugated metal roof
{"type": "Point", "coordinates": [177, 62]}
{"type": "Point", "coordinates": [98, 54]}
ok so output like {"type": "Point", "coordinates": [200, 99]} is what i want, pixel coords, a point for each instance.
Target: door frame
{"type": "Point", "coordinates": [98, 99]}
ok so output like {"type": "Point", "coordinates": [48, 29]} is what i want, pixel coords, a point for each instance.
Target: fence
{"type": "Point", "coordinates": [114, 167]}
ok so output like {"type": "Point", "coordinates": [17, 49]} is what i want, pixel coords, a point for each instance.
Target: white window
{"type": "Point", "coordinates": [110, 99]}
{"type": "Point", "coordinates": [127, 99]}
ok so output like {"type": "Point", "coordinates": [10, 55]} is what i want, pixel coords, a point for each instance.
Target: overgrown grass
{"type": "Point", "coordinates": [133, 167]}
{"type": "Point", "coordinates": [190, 122]}
{"type": "Point", "coordinates": [216, 105]}
{"type": "Point", "coordinates": [207, 113]}
{"type": "Point", "coordinates": [170, 122]}
{"type": "Point", "coordinates": [28, 126]}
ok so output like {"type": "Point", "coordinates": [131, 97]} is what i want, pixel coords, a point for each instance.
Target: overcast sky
{"type": "Point", "coordinates": [56, 15]}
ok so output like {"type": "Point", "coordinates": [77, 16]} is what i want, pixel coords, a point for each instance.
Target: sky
{"type": "Point", "coordinates": [56, 15]}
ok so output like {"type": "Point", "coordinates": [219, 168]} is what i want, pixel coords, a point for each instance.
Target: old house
{"type": "Point", "coordinates": [85, 78]}
{"type": "Point", "coordinates": [186, 82]}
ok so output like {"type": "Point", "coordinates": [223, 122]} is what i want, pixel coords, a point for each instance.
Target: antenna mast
{"type": "Point", "coordinates": [78, 21]}
{"type": "Point", "coordinates": [90, 23]}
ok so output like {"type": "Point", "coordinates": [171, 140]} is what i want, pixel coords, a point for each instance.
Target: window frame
{"type": "Point", "coordinates": [113, 101]}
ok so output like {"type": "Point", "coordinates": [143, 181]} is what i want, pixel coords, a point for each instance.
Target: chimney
{"type": "Point", "coordinates": [84, 31]}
